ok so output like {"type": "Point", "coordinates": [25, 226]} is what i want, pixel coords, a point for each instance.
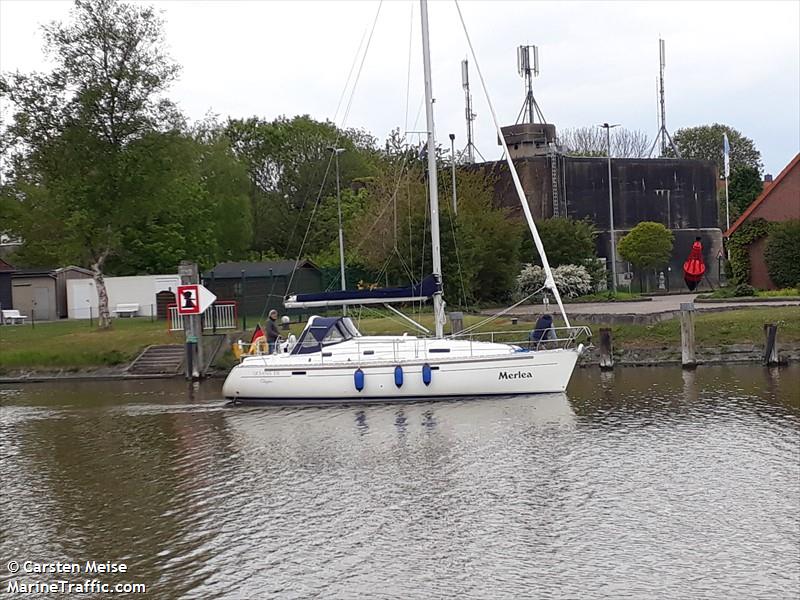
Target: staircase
{"type": "Point", "coordinates": [158, 360]}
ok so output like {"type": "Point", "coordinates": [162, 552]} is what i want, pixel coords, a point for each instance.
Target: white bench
{"type": "Point", "coordinates": [12, 317]}
{"type": "Point", "coordinates": [126, 310]}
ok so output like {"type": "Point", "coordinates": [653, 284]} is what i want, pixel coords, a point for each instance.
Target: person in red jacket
{"type": "Point", "coordinates": [694, 268]}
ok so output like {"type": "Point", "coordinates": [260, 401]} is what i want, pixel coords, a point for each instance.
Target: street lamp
{"type": "Point", "coordinates": [453, 168]}
{"type": "Point", "coordinates": [608, 127]}
{"type": "Point", "coordinates": [336, 153]}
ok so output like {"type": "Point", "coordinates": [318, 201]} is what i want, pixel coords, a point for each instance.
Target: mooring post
{"type": "Point", "coordinates": [456, 322]}
{"type": "Point", "coordinates": [606, 349]}
{"type": "Point", "coordinates": [190, 275]}
{"type": "Point", "coordinates": [771, 346]}
{"type": "Point", "coordinates": [688, 359]}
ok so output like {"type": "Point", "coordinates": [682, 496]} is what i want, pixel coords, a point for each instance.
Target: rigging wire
{"type": "Point", "coordinates": [330, 159]}
{"type": "Point", "coordinates": [549, 281]}
{"type": "Point", "coordinates": [495, 316]}
{"type": "Point", "coordinates": [458, 256]}
{"type": "Point", "coordinates": [349, 75]}
{"type": "Point", "coordinates": [408, 74]}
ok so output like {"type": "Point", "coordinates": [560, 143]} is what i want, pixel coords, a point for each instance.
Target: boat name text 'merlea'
{"type": "Point", "coordinates": [517, 375]}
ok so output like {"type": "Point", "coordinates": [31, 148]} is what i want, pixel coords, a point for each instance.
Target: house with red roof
{"type": "Point", "coordinates": [779, 201]}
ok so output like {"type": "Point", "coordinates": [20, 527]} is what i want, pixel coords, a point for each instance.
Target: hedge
{"type": "Point", "coordinates": [782, 254]}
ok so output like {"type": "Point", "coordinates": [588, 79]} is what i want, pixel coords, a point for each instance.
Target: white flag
{"type": "Point", "coordinates": [726, 150]}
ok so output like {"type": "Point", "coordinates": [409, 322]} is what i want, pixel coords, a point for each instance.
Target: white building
{"type": "Point", "coordinates": [140, 290]}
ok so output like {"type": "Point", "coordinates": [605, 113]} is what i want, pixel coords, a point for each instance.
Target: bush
{"type": "Point", "coordinates": [647, 246]}
{"type": "Point", "coordinates": [744, 289]}
{"type": "Point", "coordinates": [572, 280]}
{"type": "Point", "coordinates": [782, 254]}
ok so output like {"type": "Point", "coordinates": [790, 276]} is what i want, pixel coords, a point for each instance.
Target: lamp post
{"type": "Point", "coordinates": [453, 169]}
{"type": "Point", "coordinates": [336, 153]}
{"type": "Point", "coordinates": [608, 127]}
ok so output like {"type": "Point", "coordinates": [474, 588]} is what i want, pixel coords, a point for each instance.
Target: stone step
{"type": "Point", "coordinates": [158, 360]}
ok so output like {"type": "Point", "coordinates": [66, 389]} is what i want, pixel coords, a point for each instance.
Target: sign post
{"type": "Point", "coordinates": [193, 299]}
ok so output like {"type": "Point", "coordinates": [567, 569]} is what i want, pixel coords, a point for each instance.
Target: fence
{"type": "Point", "coordinates": [223, 314]}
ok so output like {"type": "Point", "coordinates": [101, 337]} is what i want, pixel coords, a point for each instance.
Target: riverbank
{"type": "Point", "coordinates": [72, 350]}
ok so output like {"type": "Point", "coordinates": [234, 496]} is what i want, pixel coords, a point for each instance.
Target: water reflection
{"type": "Point", "coordinates": [639, 483]}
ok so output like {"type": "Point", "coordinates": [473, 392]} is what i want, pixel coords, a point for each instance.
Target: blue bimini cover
{"type": "Point", "coordinates": [424, 290]}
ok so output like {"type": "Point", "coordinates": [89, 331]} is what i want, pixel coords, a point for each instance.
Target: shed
{"type": "Point", "coordinates": [261, 286]}
{"type": "Point", "coordinates": [779, 201]}
{"type": "Point", "coordinates": [42, 293]}
{"type": "Point", "coordinates": [5, 284]}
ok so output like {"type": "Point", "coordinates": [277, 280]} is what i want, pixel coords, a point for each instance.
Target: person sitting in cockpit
{"type": "Point", "coordinates": [542, 331]}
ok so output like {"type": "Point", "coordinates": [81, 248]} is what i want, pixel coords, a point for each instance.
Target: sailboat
{"type": "Point", "coordinates": [332, 362]}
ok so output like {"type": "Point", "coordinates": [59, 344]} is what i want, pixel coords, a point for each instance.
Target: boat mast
{"type": "Point", "coordinates": [433, 184]}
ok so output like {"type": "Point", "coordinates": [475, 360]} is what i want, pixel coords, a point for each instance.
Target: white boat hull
{"type": "Point", "coordinates": [283, 380]}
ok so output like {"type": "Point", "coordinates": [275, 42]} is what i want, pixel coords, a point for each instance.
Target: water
{"type": "Point", "coordinates": [647, 483]}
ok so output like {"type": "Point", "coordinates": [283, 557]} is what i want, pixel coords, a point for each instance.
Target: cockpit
{"type": "Point", "coordinates": [325, 331]}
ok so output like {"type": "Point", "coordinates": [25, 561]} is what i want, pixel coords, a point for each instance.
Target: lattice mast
{"type": "Point", "coordinates": [528, 68]}
{"type": "Point", "coordinates": [470, 116]}
{"type": "Point", "coordinates": [663, 135]}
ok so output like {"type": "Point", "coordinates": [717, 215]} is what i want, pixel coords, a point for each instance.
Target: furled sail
{"type": "Point", "coordinates": [422, 291]}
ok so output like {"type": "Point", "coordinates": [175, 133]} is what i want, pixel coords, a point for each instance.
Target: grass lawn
{"type": "Point", "coordinates": [606, 297]}
{"type": "Point", "coordinates": [728, 292]}
{"type": "Point", "coordinates": [741, 326]}
{"type": "Point", "coordinates": [74, 345]}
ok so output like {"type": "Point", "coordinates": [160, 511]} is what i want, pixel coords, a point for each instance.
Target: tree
{"type": "Point", "coordinates": [591, 141]}
{"type": "Point", "coordinates": [646, 246]}
{"type": "Point", "coordinates": [744, 186]}
{"type": "Point", "coordinates": [291, 168]}
{"type": "Point", "coordinates": [567, 242]}
{"type": "Point", "coordinates": [705, 143]}
{"type": "Point", "coordinates": [479, 246]}
{"type": "Point", "coordinates": [81, 133]}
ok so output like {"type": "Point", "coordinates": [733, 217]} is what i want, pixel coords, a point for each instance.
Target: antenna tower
{"type": "Point", "coordinates": [468, 111]}
{"type": "Point", "coordinates": [528, 68]}
{"type": "Point", "coordinates": [663, 135]}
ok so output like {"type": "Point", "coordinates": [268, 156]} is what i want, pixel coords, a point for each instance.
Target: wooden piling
{"type": "Point", "coordinates": [457, 322]}
{"type": "Point", "coordinates": [771, 344]}
{"type": "Point", "coordinates": [606, 349]}
{"type": "Point", "coordinates": [688, 358]}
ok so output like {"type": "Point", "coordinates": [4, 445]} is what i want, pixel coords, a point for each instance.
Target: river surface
{"type": "Point", "coordinates": [644, 483]}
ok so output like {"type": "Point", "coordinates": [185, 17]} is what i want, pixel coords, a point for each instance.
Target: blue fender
{"type": "Point", "coordinates": [427, 374]}
{"type": "Point", "coordinates": [398, 376]}
{"type": "Point", "coordinates": [358, 379]}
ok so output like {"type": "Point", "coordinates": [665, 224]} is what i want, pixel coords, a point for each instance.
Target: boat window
{"type": "Point", "coordinates": [334, 336]}
{"type": "Point", "coordinates": [324, 332]}
{"type": "Point", "coordinates": [348, 324]}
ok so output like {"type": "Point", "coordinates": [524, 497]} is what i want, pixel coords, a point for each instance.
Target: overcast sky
{"type": "Point", "coordinates": [736, 63]}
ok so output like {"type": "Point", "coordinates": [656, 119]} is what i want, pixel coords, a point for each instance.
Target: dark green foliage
{"type": "Point", "coordinates": [567, 242]}
{"type": "Point", "coordinates": [479, 247]}
{"type": "Point", "coordinates": [647, 246]}
{"type": "Point", "coordinates": [782, 254]}
{"type": "Point", "coordinates": [705, 143]}
{"type": "Point", "coordinates": [738, 246]}
{"type": "Point", "coordinates": [744, 186]}
{"type": "Point", "coordinates": [291, 167]}
{"type": "Point", "coordinates": [743, 289]}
